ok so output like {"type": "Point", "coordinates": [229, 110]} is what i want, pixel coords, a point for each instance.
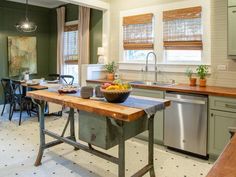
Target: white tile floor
{"type": "Point", "coordinates": [19, 146]}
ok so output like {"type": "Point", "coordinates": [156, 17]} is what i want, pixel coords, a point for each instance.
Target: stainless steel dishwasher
{"type": "Point", "coordinates": [185, 123]}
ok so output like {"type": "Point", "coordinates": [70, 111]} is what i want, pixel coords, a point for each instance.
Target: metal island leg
{"type": "Point", "coordinates": [150, 166]}
{"type": "Point", "coordinates": [121, 153]}
{"type": "Point", "coordinates": [150, 145]}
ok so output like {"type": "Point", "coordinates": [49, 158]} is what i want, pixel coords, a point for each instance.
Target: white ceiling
{"type": "Point", "coordinates": [42, 3]}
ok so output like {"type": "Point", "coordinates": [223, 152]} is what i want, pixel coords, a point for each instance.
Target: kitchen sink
{"type": "Point", "coordinates": [152, 83]}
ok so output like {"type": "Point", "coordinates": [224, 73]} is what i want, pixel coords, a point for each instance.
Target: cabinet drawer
{"type": "Point", "coordinates": [222, 103]}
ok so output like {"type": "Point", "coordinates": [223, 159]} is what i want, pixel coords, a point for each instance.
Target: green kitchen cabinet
{"type": "Point", "coordinates": [159, 117]}
{"type": "Point", "coordinates": [231, 31]}
{"type": "Point", "coordinates": [222, 115]}
{"type": "Point", "coordinates": [92, 84]}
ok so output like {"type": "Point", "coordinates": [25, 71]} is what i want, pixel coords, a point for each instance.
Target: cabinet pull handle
{"type": "Point", "coordinates": [230, 106]}
{"type": "Point", "coordinates": [212, 114]}
{"type": "Point", "coordinates": [234, 11]}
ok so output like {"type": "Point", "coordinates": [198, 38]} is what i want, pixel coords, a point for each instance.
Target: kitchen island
{"type": "Point", "coordinates": [121, 118]}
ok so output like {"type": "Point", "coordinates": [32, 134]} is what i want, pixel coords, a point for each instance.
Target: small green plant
{"type": "Point", "coordinates": [189, 73]}
{"type": "Point", "coordinates": [202, 71]}
{"type": "Point", "coordinates": [111, 67]}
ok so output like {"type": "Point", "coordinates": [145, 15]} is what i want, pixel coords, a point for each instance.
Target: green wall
{"type": "Point", "coordinates": [95, 34]}
{"type": "Point", "coordinates": [53, 42]}
{"type": "Point", "coordinates": [72, 12]}
{"type": "Point", "coordinates": [10, 14]}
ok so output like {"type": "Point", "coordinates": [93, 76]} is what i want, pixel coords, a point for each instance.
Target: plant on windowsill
{"type": "Point", "coordinates": [110, 68]}
{"type": "Point", "coordinates": [202, 71]}
{"type": "Point", "coordinates": [189, 74]}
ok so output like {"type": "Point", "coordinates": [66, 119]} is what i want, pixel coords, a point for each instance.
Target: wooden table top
{"type": "Point", "coordinates": [225, 165]}
{"type": "Point", "coordinates": [185, 88]}
{"type": "Point", "coordinates": [36, 87]}
{"type": "Point", "coordinates": [115, 111]}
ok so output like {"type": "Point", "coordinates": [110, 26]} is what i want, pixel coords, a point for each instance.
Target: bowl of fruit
{"type": "Point", "coordinates": [69, 89]}
{"type": "Point", "coordinates": [116, 92]}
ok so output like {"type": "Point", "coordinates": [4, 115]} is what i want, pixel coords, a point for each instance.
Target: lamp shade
{"type": "Point", "coordinates": [100, 51]}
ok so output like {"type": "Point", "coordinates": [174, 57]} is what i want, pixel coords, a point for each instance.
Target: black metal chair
{"type": "Point", "coordinates": [67, 79]}
{"type": "Point", "coordinates": [54, 77]}
{"type": "Point", "coordinates": [6, 84]}
{"type": "Point", "coordinates": [20, 99]}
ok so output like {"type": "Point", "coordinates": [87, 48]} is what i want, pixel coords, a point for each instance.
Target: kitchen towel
{"type": "Point", "coordinates": [149, 105]}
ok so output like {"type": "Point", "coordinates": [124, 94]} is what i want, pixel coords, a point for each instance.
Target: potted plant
{"type": "Point", "coordinates": [192, 80]}
{"type": "Point", "coordinates": [202, 71]}
{"type": "Point", "coordinates": [110, 68]}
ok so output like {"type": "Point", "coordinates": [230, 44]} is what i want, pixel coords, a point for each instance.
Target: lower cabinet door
{"type": "Point", "coordinates": [219, 136]}
{"type": "Point", "coordinates": [159, 117]}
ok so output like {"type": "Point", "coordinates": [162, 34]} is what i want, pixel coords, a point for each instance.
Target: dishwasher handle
{"type": "Point", "coordinates": [181, 100]}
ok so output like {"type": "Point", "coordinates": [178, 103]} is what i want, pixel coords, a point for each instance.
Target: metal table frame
{"type": "Point", "coordinates": [71, 140]}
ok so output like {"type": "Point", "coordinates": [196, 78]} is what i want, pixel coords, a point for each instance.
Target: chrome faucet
{"type": "Point", "coordinates": [146, 67]}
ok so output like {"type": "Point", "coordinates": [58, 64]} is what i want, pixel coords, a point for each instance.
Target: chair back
{"type": "Point", "coordinates": [54, 77]}
{"type": "Point", "coordinates": [16, 87]}
{"type": "Point", "coordinates": [67, 79]}
{"type": "Point", "coordinates": [6, 85]}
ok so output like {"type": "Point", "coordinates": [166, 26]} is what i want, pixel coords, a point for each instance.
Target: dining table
{"type": "Point", "coordinates": [101, 124]}
{"type": "Point", "coordinates": [52, 107]}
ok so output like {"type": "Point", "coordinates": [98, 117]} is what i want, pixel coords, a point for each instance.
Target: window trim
{"type": "Point", "coordinates": [158, 30]}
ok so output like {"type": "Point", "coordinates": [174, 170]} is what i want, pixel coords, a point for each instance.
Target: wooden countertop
{"type": "Point", "coordinates": [185, 88]}
{"type": "Point", "coordinates": [225, 165]}
{"type": "Point", "coordinates": [115, 111]}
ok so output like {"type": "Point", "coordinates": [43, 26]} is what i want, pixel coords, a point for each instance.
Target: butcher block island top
{"type": "Point", "coordinates": [103, 108]}
{"type": "Point", "coordinates": [185, 88]}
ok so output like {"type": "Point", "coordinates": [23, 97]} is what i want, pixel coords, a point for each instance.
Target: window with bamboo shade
{"type": "Point", "coordinates": [71, 44]}
{"type": "Point", "coordinates": [138, 32]}
{"type": "Point", "coordinates": [182, 29]}
{"type": "Point", "coordinates": [71, 51]}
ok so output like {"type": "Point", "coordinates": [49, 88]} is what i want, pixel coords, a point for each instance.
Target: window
{"type": "Point", "coordinates": [71, 51]}
{"type": "Point", "coordinates": [137, 36]}
{"type": "Point", "coordinates": [182, 33]}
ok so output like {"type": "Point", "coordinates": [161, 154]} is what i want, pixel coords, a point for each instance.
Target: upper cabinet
{"type": "Point", "coordinates": [231, 3]}
{"type": "Point", "coordinates": [231, 27]}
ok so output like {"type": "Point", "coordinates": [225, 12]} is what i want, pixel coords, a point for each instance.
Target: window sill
{"type": "Point", "coordinates": [162, 67]}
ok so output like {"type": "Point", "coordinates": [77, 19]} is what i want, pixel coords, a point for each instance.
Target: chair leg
{"type": "Point", "coordinates": [3, 109]}
{"type": "Point", "coordinates": [20, 114]}
{"type": "Point", "coordinates": [30, 107]}
{"type": "Point", "coordinates": [11, 111]}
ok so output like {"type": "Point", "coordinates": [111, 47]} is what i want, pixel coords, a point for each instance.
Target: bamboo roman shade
{"type": "Point", "coordinates": [71, 28]}
{"type": "Point", "coordinates": [138, 32]}
{"type": "Point", "coordinates": [183, 29]}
